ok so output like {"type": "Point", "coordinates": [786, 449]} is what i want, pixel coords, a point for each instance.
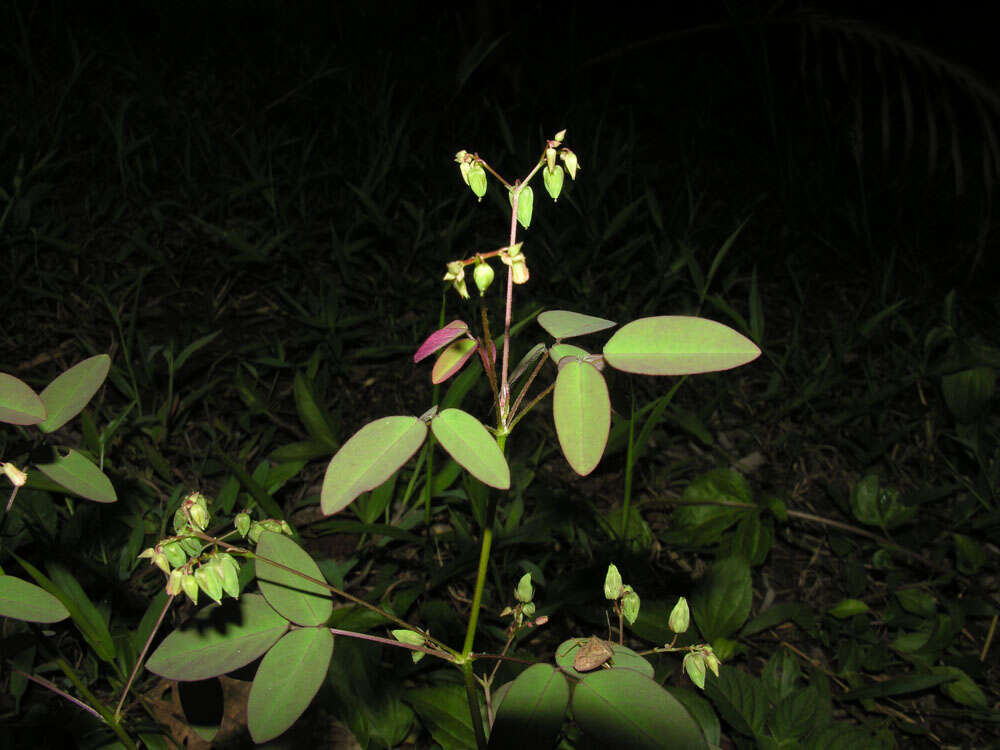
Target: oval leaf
{"type": "Point", "coordinates": [66, 396]}
{"type": "Point", "coordinates": [622, 658]}
{"type": "Point", "coordinates": [677, 345]}
{"type": "Point", "coordinates": [26, 601]}
{"type": "Point", "coordinates": [472, 446]}
{"type": "Point", "coordinates": [441, 337]}
{"type": "Point", "coordinates": [370, 457]}
{"type": "Point", "coordinates": [76, 473]}
{"type": "Point", "coordinates": [301, 601]}
{"type": "Point", "coordinates": [18, 403]}
{"type": "Point", "coordinates": [622, 708]}
{"type": "Point", "coordinates": [452, 359]}
{"type": "Point", "coordinates": [287, 680]}
{"type": "Point", "coordinates": [218, 640]}
{"type": "Point", "coordinates": [582, 412]}
{"type": "Point", "coordinates": [532, 711]}
{"type": "Point", "coordinates": [563, 324]}
{"type": "Point", "coordinates": [558, 351]}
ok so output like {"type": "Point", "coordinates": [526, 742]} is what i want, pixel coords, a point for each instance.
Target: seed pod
{"type": "Point", "coordinates": [525, 203]}
{"type": "Point", "coordinates": [483, 275]}
{"type": "Point", "coordinates": [680, 616]}
{"type": "Point", "coordinates": [174, 553]}
{"type": "Point", "coordinates": [612, 583]}
{"type": "Point", "coordinates": [242, 523]}
{"type": "Point", "coordinates": [190, 586]}
{"type": "Point", "coordinates": [477, 180]}
{"type": "Point", "coordinates": [209, 581]}
{"type": "Point", "coordinates": [553, 179]}
{"type": "Point", "coordinates": [524, 592]}
{"type": "Point", "coordinates": [630, 604]}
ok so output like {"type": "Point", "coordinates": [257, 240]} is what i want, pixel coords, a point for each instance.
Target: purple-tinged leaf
{"type": "Point", "coordinates": [440, 338]}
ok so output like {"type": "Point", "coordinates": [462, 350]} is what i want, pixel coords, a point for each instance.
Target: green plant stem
{"type": "Point", "coordinates": [484, 561]}
{"type": "Point", "coordinates": [142, 656]}
{"type": "Point", "coordinates": [629, 462]}
{"type": "Point", "coordinates": [474, 713]}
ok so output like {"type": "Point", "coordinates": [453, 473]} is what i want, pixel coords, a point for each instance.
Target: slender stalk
{"type": "Point", "coordinates": [484, 561]}
{"type": "Point", "coordinates": [475, 714]}
{"type": "Point", "coordinates": [629, 463]}
{"type": "Point", "coordinates": [142, 656]}
{"type": "Point", "coordinates": [101, 709]}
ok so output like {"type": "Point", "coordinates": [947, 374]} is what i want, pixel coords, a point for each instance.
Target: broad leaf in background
{"type": "Point", "coordinates": [721, 603]}
{"type": "Point", "coordinates": [621, 708]}
{"type": "Point", "coordinates": [562, 324]}
{"type": "Point", "coordinates": [740, 700]}
{"type": "Point", "coordinates": [219, 639]}
{"type": "Point", "coordinates": [26, 601]}
{"type": "Point", "coordinates": [76, 473]}
{"type": "Point", "coordinates": [66, 396]}
{"type": "Point", "coordinates": [287, 680]}
{"type": "Point", "coordinates": [532, 710]}
{"type": "Point", "coordinates": [471, 445]}
{"type": "Point", "coordinates": [582, 412]}
{"type": "Point", "coordinates": [444, 711]}
{"type": "Point", "coordinates": [314, 417]}
{"type": "Point", "coordinates": [371, 456]}
{"type": "Point", "coordinates": [677, 345]}
{"type": "Point", "coordinates": [301, 601]}
{"type": "Point", "coordinates": [19, 404]}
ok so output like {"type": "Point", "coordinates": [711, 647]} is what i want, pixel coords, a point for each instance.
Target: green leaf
{"type": "Point", "coordinates": [795, 714]}
{"type": "Point", "coordinates": [721, 603]}
{"type": "Point", "coordinates": [702, 712]}
{"type": "Point", "coordinates": [962, 689]}
{"type": "Point", "coordinates": [848, 608]}
{"type": "Point", "coordinates": [26, 601]}
{"type": "Point", "coordinates": [452, 359]}
{"type": "Point", "coordinates": [305, 450]}
{"type": "Point", "coordinates": [558, 351]}
{"type": "Point", "coordinates": [301, 601]}
{"type": "Point", "coordinates": [739, 698]}
{"type": "Point", "coordinates": [371, 456]}
{"type": "Point", "coordinates": [19, 404]}
{"type": "Point", "coordinates": [622, 658]}
{"type": "Point", "coordinates": [621, 708]}
{"type": "Point", "coordinates": [66, 396]}
{"type": "Point", "coordinates": [76, 473]}
{"type": "Point", "coordinates": [677, 345]}
{"type": "Point", "coordinates": [532, 711]}
{"type": "Point", "coordinates": [317, 422]}
{"type": "Point", "coordinates": [582, 412]}
{"type": "Point", "coordinates": [85, 615]}
{"type": "Point", "coordinates": [444, 711]}
{"type": "Point", "coordinates": [471, 445]}
{"type": "Point", "coordinates": [219, 639]}
{"type": "Point", "coordinates": [968, 393]}
{"type": "Point", "coordinates": [563, 324]}
{"type": "Point", "coordinates": [287, 680]}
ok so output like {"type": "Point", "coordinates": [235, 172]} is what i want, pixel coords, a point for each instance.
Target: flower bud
{"type": "Point", "coordinates": [612, 583]}
{"type": "Point", "coordinates": [630, 604]}
{"type": "Point", "coordinates": [242, 523]}
{"type": "Point", "coordinates": [553, 179]}
{"type": "Point", "coordinates": [528, 609]}
{"type": "Point", "coordinates": [174, 583]}
{"type": "Point", "coordinates": [16, 476]}
{"type": "Point", "coordinates": [412, 638]}
{"type": "Point", "coordinates": [525, 202]}
{"type": "Point", "coordinates": [571, 162]}
{"type": "Point", "coordinates": [550, 158]}
{"type": "Point", "coordinates": [456, 275]}
{"type": "Point", "coordinates": [483, 275]}
{"type": "Point", "coordinates": [229, 571]}
{"type": "Point", "coordinates": [711, 660]}
{"type": "Point", "coordinates": [477, 180]}
{"type": "Point", "coordinates": [680, 617]}
{"type": "Point", "coordinates": [463, 165]}
{"type": "Point", "coordinates": [559, 136]}
{"type": "Point", "coordinates": [524, 592]}
{"type": "Point", "coordinates": [198, 510]}
{"type": "Point", "coordinates": [209, 581]}
{"type": "Point", "coordinates": [175, 553]}
{"type": "Point", "coordinates": [694, 665]}
{"type": "Point", "coordinates": [160, 560]}
{"type": "Point", "coordinates": [192, 545]}
{"type": "Point", "coordinates": [285, 528]}
{"type": "Point", "coordinates": [190, 586]}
